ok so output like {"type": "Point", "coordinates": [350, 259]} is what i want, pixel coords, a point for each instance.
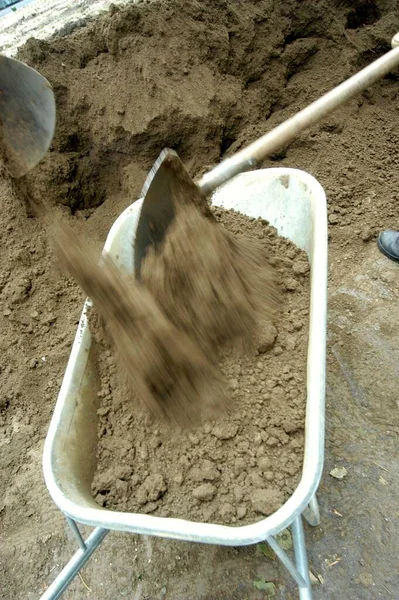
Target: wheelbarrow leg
{"type": "Point", "coordinates": [312, 512]}
{"type": "Point", "coordinates": [76, 533]}
{"type": "Point", "coordinates": [301, 559]}
{"type": "Point", "coordinates": [78, 560]}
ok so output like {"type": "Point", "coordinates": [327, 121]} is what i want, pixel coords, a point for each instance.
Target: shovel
{"type": "Point", "coordinates": [27, 116]}
{"type": "Point", "coordinates": [168, 179]}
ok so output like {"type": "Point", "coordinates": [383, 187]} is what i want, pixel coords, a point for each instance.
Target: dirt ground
{"type": "Point", "coordinates": [205, 78]}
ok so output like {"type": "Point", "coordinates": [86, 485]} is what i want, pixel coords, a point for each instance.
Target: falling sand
{"type": "Point", "coordinates": [202, 290]}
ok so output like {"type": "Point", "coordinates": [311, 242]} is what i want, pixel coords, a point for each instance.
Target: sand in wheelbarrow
{"type": "Point", "coordinates": [234, 467]}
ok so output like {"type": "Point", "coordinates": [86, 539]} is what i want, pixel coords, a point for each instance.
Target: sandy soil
{"type": "Point", "coordinates": [205, 78]}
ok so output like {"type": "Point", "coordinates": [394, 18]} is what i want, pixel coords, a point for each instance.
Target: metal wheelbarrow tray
{"type": "Point", "coordinates": [293, 202]}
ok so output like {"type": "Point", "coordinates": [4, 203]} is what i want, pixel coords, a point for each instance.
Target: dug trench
{"type": "Point", "coordinates": [206, 78]}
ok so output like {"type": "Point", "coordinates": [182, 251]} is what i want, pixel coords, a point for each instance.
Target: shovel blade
{"type": "Point", "coordinates": [167, 187]}
{"type": "Point", "coordinates": [27, 116]}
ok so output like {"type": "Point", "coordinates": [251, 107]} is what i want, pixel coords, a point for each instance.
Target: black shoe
{"type": "Point", "coordinates": [388, 243]}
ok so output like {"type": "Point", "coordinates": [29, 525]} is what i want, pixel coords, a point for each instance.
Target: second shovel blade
{"type": "Point", "coordinates": [27, 116]}
{"type": "Point", "coordinates": [168, 185]}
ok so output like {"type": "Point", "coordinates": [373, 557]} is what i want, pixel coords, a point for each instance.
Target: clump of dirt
{"type": "Point", "coordinates": [230, 470]}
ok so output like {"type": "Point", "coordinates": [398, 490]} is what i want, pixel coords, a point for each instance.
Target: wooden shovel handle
{"type": "Point", "coordinates": [250, 156]}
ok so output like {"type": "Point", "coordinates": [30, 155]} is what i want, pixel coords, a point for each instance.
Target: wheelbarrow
{"type": "Point", "coordinates": [293, 202]}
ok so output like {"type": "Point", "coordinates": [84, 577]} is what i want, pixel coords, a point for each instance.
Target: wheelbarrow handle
{"type": "Point", "coordinates": [250, 156]}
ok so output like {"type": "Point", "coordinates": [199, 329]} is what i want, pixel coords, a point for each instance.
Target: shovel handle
{"type": "Point", "coordinates": [250, 156]}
